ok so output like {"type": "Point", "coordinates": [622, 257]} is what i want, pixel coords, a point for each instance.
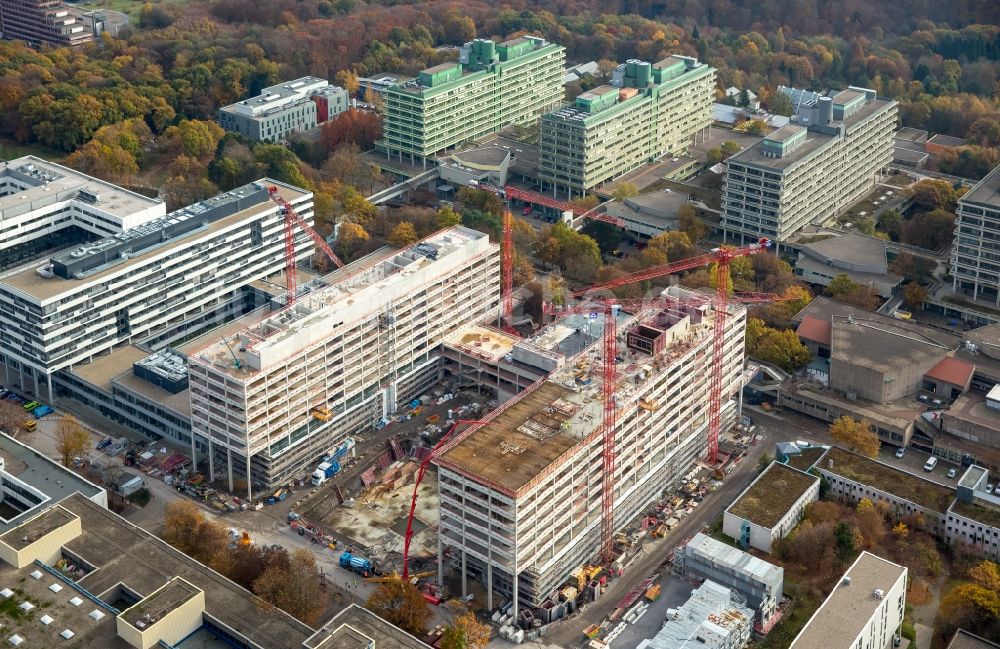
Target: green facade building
{"type": "Point", "coordinates": [651, 110]}
{"type": "Point", "coordinates": [491, 86]}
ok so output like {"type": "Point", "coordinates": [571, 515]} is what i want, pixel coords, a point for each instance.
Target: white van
{"type": "Point", "coordinates": [930, 464]}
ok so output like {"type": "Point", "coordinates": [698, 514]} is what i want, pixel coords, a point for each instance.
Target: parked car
{"type": "Point", "coordinates": [989, 488]}
{"type": "Point", "coordinates": [952, 473]}
{"type": "Point", "coordinates": [31, 405]}
{"type": "Point", "coordinates": [900, 452]}
{"type": "Point", "coordinates": [41, 411]}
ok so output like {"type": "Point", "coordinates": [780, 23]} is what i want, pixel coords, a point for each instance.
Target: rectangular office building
{"type": "Point", "coordinates": [652, 110]}
{"type": "Point", "coordinates": [832, 154]}
{"type": "Point", "coordinates": [162, 281]}
{"type": "Point", "coordinates": [975, 257]}
{"type": "Point", "coordinates": [489, 87]}
{"type": "Point", "coordinates": [291, 107]}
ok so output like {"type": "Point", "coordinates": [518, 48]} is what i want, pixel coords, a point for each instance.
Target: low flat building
{"type": "Point", "coordinates": [291, 107]}
{"type": "Point", "coordinates": [31, 482]}
{"type": "Point", "coordinates": [853, 478]}
{"type": "Point", "coordinates": [355, 627]}
{"type": "Point", "coordinates": [965, 640]}
{"type": "Point", "coordinates": [862, 258]}
{"type": "Point", "coordinates": [940, 144]}
{"type": "Point", "coordinates": [647, 215]}
{"type": "Point", "coordinates": [864, 611]}
{"type": "Point", "coordinates": [758, 582]}
{"type": "Point", "coordinates": [909, 147]}
{"type": "Point", "coordinates": [974, 517]}
{"type": "Point", "coordinates": [712, 617]}
{"type": "Point", "coordinates": [770, 507]}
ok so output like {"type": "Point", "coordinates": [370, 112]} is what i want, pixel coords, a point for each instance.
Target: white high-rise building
{"type": "Point", "coordinates": [160, 281]}
{"type": "Point", "coordinates": [278, 394]}
{"type": "Point", "coordinates": [521, 497]}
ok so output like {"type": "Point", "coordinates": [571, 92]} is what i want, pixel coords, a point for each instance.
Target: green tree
{"type": "Point", "coordinates": [930, 194]}
{"type": "Point", "coordinates": [858, 435]}
{"type": "Point", "coordinates": [625, 190]}
{"type": "Point", "coordinates": [194, 137]}
{"type": "Point", "coordinates": [779, 347]}
{"type": "Point", "coordinates": [891, 222]}
{"type": "Point", "coordinates": [480, 199]}
{"type": "Point", "coordinates": [841, 286]}
{"type": "Point", "coordinates": [743, 101]}
{"type": "Point", "coordinates": [844, 539]}
{"type": "Point", "coordinates": [465, 632]}
{"type": "Point", "coordinates": [781, 104]}
{"type": "Point", "coordinates": [930, 230]}
{"type": "Point", "coordinates": [729, 149]}
{"type": "Point", "coordinates": [447, 217]}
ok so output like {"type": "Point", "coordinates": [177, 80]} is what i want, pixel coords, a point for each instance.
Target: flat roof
{"type": "Point", "coordinates": [814, 142]}
{"type": "Point", "coordinates": [901, 484]}
{"type": "Point", "coordinates": [179, 402]}
{"type": "Point", "coordinates": [806, 457]}
{"type": "Point", "coordinates": [594, 93]}
{"type": "Point", "coordinates": [101, 370]}
{"type": "Point", "coordinates": [42, 473]}
{"type": "Point", "coordinates": [846, 96]}
{"type": "Point", "coordinates": [850, 248]}
{"type": "Point", "coordinates": [775, 491]}
{"type": "Point", "coordinates": [151, 609]}
{"type": "Point", "coordinates": [882, 346]}
{"type": "Point", "coordinates": [36, 528]}
{"type": "Point", "coordinates": [911, 134]}
{"type": "Point", "coordinates": [385, 635]}
{"type": "Point", "coordinates": [125, 553]}
{"type": "Point", "coordinates": [786, 132]}
{"type": "Point", "coordinates": [851, 605]}
{"type": "Point", "coordinates": [965, 640]}
{"type": "Point", "coordinates": [986, 191]}
{"type": "Point", "coordinates": [947, 140]}
{"type": "Point", "coordinates": [54, 181]}
{"type": "Point", "coordinates": [737, 560]}
{"type": "Point", "coordinates": [484, 342]}
{"type": "Point", "coordinates": [25, 278]}
{"type": "Point", "coordinates": [559, 414]}
{"type": "Point", "coordinates": [981, 513]}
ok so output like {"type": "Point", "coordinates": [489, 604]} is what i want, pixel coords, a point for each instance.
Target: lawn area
{"type": "Point", "coordinates": [787, 628]}
{"type": "Point", "coordinates": [11, 150]}
{"type": "Point", "coordinates": [128, 7]}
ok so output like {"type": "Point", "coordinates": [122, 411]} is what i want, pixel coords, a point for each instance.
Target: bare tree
{"type": "Point", "coordinates": [12, 417]}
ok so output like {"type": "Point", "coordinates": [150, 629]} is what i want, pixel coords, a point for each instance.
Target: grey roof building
{"type": "Point", "coordinates": [831, 154]}
{"type": "Point", "coordinates": [713, 617]}
{"type": "Point", "coordinates": [965, 640]}
{"type": "Point", "coordinates": [760, 583]}
{"type": "Point", "coordinates": [648, 215]}
{"type": "Point", "coordinates": [294, 106]}
{"type": "Point", "coordinates": [860, 257]}
{"type": "Point", "coordinates": [975, 264]}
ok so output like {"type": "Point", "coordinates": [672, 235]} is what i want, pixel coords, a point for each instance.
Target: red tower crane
{"type": "Point", "coordinates": [722, 257]}
{"type": "Point", "coordinates": [609, 377]}
{"type": "Point", "coordinates": [292, 219]}
{"type": "Point", "coordinates": [507, 275]}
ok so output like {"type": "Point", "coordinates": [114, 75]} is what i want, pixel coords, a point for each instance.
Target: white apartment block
{"type": "Point", "coordinates": [295, 106]}
{"type": "Point", "coordinates": [975, 257]}
{"type": "Point", "coordinates": [278, 394]}
{"type": "Point", "coordinates": [974, 517]}
{"type": "Point", "coordinates": [39, 198]}
{"type": "Point", "coordinates": [159, 282]}
{"type": "Point", "coordinates": [831, 155]}
{"type": "Point", "coordinates": [864, 611]}
{"type": "Point", "coordinates": [520, 497]}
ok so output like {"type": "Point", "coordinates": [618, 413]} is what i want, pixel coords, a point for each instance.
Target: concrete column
{"type": "Point", "coordinates": [464, 580]}
{"type": "Point", "coordinates": [229, 467]}
{"type": "Point", "coordinates": [34, 376]}
{"type": "Point", "coordinates": [194, 450]}
{"type": "Point", "coordinates": [249, 487]}
{"type": "Point", "coordinates": [211, 459]}
{"type": "Point", "coordinates": [440, 555]}
{"type": "Point", "coordinates": [48, 379]}
{"type": "Point", "coordinates": [513, 590]}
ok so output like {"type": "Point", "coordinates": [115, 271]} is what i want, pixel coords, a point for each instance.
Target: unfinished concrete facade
{"type": "Point", "coordinates": [287, 389]}
{"type": "Point", "coordinates": [521, 495]}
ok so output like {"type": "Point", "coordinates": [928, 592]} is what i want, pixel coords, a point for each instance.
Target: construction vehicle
{"type": "Point", "coordinates": [30, 426]}
{"type": "Point", "coordinates": [324, 472]}
{"type": "Point", "coordinates": [356, 564]}
{"type": "Point", "coordinates": [653, 592]}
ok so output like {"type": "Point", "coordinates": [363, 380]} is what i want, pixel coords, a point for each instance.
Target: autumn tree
{"type": "Point", "coordinates": [72, 439]}
{"type": "Point", "coordinates": [779, 347]}
{"type": "Point", "coordinates": [353, 126]}
{"type": "Point", "coordinates": [182, 516]}
{"type": "Point", "coordinates": [858, 435]}
{"type": "Point", "coordinates": [348, 80]}
{"type": "Point", "coordinates": [193, 137]}
{"type": "Point", "coordinates": [465, 632]}
{"type": "Point", "coordinates": [447, 217]}
{"type": "Point", "coordinates": [296, 588]}
{"type": "Point", "coordinates": [914, 295]}
{"type": "Point", "coordinates": [844, 289]}
{"type": "Point", "coordinates": [625, 190]}
{"type": "Point", "coordinates": [930, 230]}
{"type": "Point", "coordinates": [781, 104]}
{"type": "Point", "coordinates": [479, 199]}
{"type": "Point", "coordinates": [930, 194]}
{"type": "Point", "coordinates": [403, 235]}
{"type": "Point", "coordinates": [400, 603]}
{"type": "Point", "coordinates": [871, 523]}
{"type": "Point", "coordinates": [350, 238]}
{"type": "Point", "coordinates": [973, 604]}
{"type": "Point", "coordinates": [689, 223]}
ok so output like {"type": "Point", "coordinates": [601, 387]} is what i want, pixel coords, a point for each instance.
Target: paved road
{"type": "Point", "coordinates": [569, 633]}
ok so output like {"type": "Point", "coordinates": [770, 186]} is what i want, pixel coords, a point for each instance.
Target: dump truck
{"type": "Point", "coordinates": [356, 564]}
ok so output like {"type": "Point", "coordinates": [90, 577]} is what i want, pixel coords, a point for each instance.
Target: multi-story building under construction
{"type": "Point", "coordinates": [521, 497]}
{"type": "Point", "coordinates": [653, 109]}
{"type": "Point", "coordinates": [275, 396]}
